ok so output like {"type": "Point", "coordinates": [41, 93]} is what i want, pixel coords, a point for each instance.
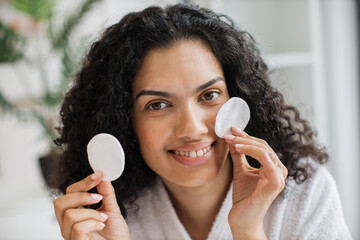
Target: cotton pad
{"type": "Point", "coordinates": [106, 154]}
{"type": "Point", "coordinates": [235, 112]}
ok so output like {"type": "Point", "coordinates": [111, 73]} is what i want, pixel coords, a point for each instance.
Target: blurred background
{"type": "Point", "coordinates": [311, 47]}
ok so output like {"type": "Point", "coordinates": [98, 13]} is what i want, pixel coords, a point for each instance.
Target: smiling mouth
{"type": "Point", "coordinates": [192, 154]}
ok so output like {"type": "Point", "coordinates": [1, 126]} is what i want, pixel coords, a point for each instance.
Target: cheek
{"type": "Point", "coordinates": [210, 117]}
{"type": "Point", "coordinates": [151, 136]}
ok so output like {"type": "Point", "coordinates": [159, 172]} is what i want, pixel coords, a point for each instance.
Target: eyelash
{"type": "Point", "coordinates": [150, 106]}
{"type": "Point", "coordinates": [210, 92]}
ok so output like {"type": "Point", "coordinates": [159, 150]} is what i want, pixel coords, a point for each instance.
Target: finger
{"type": "Point", "coordinates": [238, 132]}
{"type": "Point", "coordinates": [73, 200]}
{"type": "Point", "coordinates": [242, 140]}
{"type": "Point", "coordinates": [109, 202]}
{"type": "Point", "coordinates": [285, 171]}
{"type": "Point", "coordinates": [276, 181]}
{"type": "Point", "coordinates": [229, 138]}
{"type": "Point", "coordinates": [246, 139]}
{"type": "Point", "coordinates": [232, 141]}
{"type": "Point", "coordinates": [254, 152]}
{"type": "Point", "coordinates": [245, 162]}
{"type": "Point", "coordinates": [260, 155]}
{"type": "Point", "coordinates": [256, 141]}
{"type": "Point", "coordinates": [86, 184]}
{"type": "Point", "coordinates": [80, 229]}
{"type": "Point", "coordinates": [278, 163]}
{"type": "Point", "coordinates": [259, 140]}
{"type": "Point", "coordinates": [73, 216]}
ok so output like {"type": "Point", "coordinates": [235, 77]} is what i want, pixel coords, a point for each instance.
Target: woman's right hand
{"type": "Point", "coordinates": [77, 222]}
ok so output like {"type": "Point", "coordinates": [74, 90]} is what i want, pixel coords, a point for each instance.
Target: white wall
{"type": "Point", "coordinates": [24, 199]}
{"type": "Point", "coordinates": [341, 53]}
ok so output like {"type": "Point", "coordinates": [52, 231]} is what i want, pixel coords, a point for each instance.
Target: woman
{"type": "Point", "coordinates": [156, 81]}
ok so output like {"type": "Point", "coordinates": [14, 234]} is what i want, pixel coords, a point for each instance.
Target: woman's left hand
{"type": "Point", "coordinates": [253, 189]}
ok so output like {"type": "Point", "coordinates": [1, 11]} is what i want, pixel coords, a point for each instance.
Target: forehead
{"type": "Point", "coordinates": [184, 64]}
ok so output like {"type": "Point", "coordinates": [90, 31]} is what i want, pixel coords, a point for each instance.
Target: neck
{"type": "Point", "coordinates": [197, 207]}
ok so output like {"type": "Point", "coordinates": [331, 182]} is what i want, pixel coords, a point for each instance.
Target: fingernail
{"type": "Point", "coordinates": [229, 137]}
{"type": "Point", "coordinates": [268, 159]}
{"type": "Point", "coordinates": [236, 129]}
{"type": "Point", "coordinates": [102, 224]}
{"type": "Point", "coordinates": [96, 175]}
{"type": "Point", "coordinates": [239, 145]}
{"type": "Point", "coordinates": [104, 216]}
{"type": "Point", "coordinates": [96, 197]}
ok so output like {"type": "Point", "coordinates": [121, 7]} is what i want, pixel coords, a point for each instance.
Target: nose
{"type": "Point", "coordinates": [191, 123]}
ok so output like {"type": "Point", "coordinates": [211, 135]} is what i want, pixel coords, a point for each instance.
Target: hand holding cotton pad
{"type": "Point", "coordinates": [106, 154]}
{"type": "Point", "coordinates": [235, 112]}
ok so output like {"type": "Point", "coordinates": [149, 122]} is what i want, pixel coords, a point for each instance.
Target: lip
{"type": "Point", "coordinates": [194, 161]}
{"type": "Point", "coordinates": [193, 147]}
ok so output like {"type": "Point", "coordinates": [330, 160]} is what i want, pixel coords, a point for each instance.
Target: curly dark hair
{"type": "Point", "coordinates": [101, 98]}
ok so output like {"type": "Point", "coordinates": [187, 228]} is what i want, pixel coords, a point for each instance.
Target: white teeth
{"type": "Point", "coordinates": [193, 154]}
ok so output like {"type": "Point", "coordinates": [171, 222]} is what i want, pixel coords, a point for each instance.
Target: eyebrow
{"type": "Point", "coordinates": [208, 84]}
{"type": "Point", "coordinates": [170, 95]}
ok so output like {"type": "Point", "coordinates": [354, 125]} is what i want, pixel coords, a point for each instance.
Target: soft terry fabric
{"type": "Point", "coordinates": [311, 210]}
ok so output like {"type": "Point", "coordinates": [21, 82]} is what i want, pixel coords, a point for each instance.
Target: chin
{"type": "Point", "coordinates": [201, 177]}
{"type": "Point", "coordinates": [195, 180]}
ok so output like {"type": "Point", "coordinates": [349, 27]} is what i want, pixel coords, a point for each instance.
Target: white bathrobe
{"type": "Point", "coordinates": [311, 210]}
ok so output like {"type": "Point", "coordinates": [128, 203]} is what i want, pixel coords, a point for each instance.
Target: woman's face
{"type": "Point", "coordinates": [177, 93]}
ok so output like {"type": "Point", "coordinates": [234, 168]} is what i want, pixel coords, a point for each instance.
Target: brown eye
{"type": "Point", "coordinates": [157, 106]}
{"type": "Point", "coordinates": [209, 96]}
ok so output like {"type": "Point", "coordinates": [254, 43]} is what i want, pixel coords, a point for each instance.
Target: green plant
{"type": "Point", "coordinates": [11, 44]}
{"type": "Point", "coordinates": [43, 109]}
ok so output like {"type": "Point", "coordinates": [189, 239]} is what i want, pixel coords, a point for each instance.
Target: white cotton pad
{"type": "Point", "coordinates": [106, 154]}
{"type": "Point", "coordinates": [235, 112]}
